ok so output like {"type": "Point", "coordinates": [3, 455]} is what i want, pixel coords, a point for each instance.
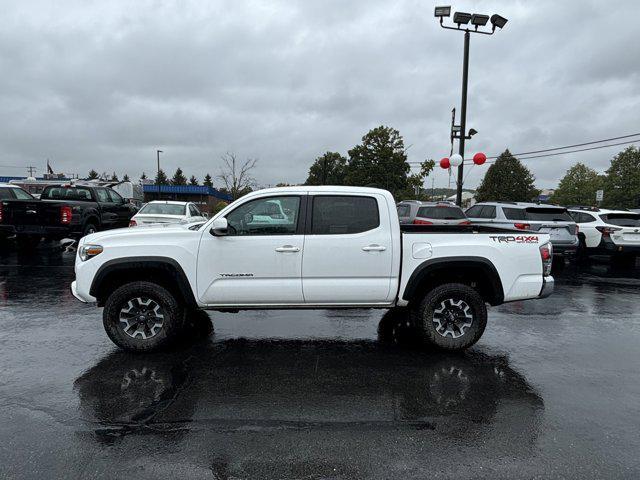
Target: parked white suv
{"type": "Point", "coordinates": [608, 231]}
{"type": "Point", "coordinates": [337, 247]}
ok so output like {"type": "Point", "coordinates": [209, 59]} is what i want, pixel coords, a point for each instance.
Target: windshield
{"type": "Point", "coordinates": [622, 219]}
{"type": "Point", "coordinates": [443, 212]}
{"type": "Point", "coordinates": [67, 193]}
{"type": "Point", "coordinates": [163, 209]}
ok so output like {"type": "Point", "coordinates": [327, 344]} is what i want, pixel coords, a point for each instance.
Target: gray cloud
{"type": "Point", "coordinates": [103, 84]}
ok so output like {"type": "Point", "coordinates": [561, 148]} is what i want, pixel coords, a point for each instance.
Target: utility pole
{"type": "Point", "coordinates": [31, 170]}
{"type": "Point", "coordinates": [463, 117]}
{"type": "Point", "coordinates": [158, 152]}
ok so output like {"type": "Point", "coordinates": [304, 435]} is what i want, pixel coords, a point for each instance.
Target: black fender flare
{"type": "Point", "coordinates": [432, 265]}
{"type": "Point", "coordinates": [167, 264]}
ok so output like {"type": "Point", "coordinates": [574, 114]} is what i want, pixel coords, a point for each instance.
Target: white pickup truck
{"type": "Point", "coordinates": [326, 247]}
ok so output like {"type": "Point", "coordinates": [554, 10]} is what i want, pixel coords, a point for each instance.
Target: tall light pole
{"type": "Point", "coordinates": [476, 20]}
{"type": "Point", "coordinates": [158, 152]}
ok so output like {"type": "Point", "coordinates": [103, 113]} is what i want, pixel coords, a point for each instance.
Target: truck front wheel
{"type": "Point", "coordinates": [452, 316]}
{"type": "Point", "coordinates": [142, 317]}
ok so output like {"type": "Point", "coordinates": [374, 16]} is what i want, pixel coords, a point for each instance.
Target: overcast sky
{"type": "Point", "coordinates": [104, 84]}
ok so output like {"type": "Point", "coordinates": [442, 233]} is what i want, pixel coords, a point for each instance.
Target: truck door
{"type": "Point", "coordinates": [108, 209]}
{"type": "Point", "coordinates": [348, 250]}
{"type": "Point", "coordinates": [259, 262]}
{"type": "Point", "coordinates": [122, 209]}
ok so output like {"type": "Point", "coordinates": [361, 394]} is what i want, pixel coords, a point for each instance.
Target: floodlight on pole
{"type": "Point", "coordinates": [442, 11]}
{"type": "Point", "coordinates": [461, 20]}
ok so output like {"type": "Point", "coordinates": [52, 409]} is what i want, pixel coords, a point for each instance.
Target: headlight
{"type": "Point", "coordinates": [85, 252]}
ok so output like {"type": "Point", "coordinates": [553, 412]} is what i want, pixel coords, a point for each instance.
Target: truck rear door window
{"type": "Point", "coordinates": [5, 194]}
{"type": "Point", "coordinates": [335, 215]}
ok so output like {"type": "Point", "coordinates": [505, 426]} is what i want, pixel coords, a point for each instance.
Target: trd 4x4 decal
{"type": "Point", "coordinates": [514, 238]}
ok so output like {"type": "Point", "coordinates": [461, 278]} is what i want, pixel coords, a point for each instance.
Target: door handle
{"type": "Point", "coordinates": [374, 247]}
{"type": "Point", "coordinates": [287, 248]}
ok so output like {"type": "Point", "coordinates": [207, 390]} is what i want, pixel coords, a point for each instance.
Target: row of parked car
{"type": "Point", "coordinates": [75, 210]}
{"type": "Point", "coordinates": [573, 230]}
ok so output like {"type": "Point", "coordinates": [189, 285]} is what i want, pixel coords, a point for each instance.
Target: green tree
{"type": "Point", "coordinates": [178, 178]}
{"type": "Point", "coordinates": [578, 186]}
{"type": "Point", "coordinates": [193, 180]}
{"type": "Point", "coordinates": [507, 180]}
{"type": "Point", "coordinates": [161, 178]}
{"type": "Point", "coordinates": [143, 176]}
{"type": "Point", "coordinates": [622, 181]}
{"type": "Point", "coordinates": [92, 175]}
{"type": "Point", "coordinates": [207, 181]}
{"type": "Point", "coordinates": [379, 161]}
{"type": "Point", "coordinates": [126, 178]}
{"type": "Point", "coordinates": [328, 169]}
{"type": "Point", "coordinates": [114, 177]}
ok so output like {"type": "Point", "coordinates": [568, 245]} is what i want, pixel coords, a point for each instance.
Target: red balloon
{"type": "Point", "coordinates": [479, 158]}
{"type": "Point", "coordinates": [445, 163]}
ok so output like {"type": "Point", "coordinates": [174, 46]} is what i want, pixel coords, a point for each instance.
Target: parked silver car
{"type": "Point", "coordinates": [407, 210]}
{"type": "Point", "coordinates": [440, 213]}
{"type": "Point", "coordinates": [551, 219]}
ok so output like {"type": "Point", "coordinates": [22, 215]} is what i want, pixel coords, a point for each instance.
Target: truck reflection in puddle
{"type": "Point", "coordinates": [317, 394]}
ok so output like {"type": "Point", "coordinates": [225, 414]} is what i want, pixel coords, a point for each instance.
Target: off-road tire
{"type": "Point", "coordinates": [422, 317]}
{"type": "Point", "coordinates": [169, 306]}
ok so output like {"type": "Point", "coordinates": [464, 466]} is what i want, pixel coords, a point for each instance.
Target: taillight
{"type": "Point", "coordinates": [133, 223]}
{"type": "Point", "coordinates": [65, 215]}
{"type": "Point", "coordinates": [522, 226]}
{"type": "Point", "coordinates": [606, 231]}
{"type": "Point", "coordinates": [577, 229]}
{"type": "Point", "coordinates": [546, 255]}
{"type": "Point", "coordinates": [1, 212]}
{"type": "Point", "coordinates": [417, 221]}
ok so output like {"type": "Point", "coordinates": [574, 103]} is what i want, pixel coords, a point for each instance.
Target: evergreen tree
{"type": "Point", "coordinates": [143, 176]}
{"type": "Point", "coordinates": [507, 180]}
{"type": "Point", "coordinates": [114, 177]}
{"type": "Point", "coordinates": [207, 181]}
{"type": "Point", "coordinates": [178, 178]}
{"type": "Point", "coordinates": [126, 178]}
{"type": "Point", "coordinates": [161, 178]}
{"type": "Point", "coordinates": [193, 180]}
{"type": "Point", "coordinates": [92, 175]}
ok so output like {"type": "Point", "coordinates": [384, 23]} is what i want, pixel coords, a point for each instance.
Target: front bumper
{"type": "Point", "coordinates": [82, 297]}
{"type": "Point", "coordinates": [548, 285]}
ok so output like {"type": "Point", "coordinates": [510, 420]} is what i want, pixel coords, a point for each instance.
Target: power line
{"type": "Point", "coordinates": [571, 151]}
{"type": "Point", "coordinates": [566, 147]}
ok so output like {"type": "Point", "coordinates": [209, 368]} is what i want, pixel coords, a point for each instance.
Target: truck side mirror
{"type": "Point", "coordinates": [220, 227]}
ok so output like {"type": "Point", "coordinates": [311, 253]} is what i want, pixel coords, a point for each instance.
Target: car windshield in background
{"type": "Point", "coordinates": [621, 219]}
{"type": "Point", "coordinates": [163, 209]}
{"type": "Point", "coordinates": [404, 210]}
{"type": "Point", "coordinates": [441, 213]}
{"type": "Point", "coordinates": [67, 193]}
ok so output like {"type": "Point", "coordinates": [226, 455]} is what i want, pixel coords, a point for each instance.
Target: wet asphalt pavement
{"type": "Point", "coordinates": [551, 390]}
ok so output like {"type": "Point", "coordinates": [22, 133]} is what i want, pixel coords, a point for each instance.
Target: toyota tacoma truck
{"type": "Point", "coordinates": [335, 248]}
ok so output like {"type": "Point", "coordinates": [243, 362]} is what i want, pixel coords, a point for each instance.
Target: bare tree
{"type": "Point", "coordinates": [236, 175]}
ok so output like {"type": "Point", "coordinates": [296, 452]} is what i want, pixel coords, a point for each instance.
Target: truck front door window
{"type": "Point", "coordinates": [265, 216]}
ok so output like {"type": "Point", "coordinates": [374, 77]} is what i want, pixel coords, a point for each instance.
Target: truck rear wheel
{"type": "Point", "coordinates": [452, 316]}
{"type": "Point", "coordinates": [142, 317]}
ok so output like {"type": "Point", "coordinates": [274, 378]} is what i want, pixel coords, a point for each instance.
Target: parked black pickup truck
{"type": "Point", "coordinates": [63, 211]}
